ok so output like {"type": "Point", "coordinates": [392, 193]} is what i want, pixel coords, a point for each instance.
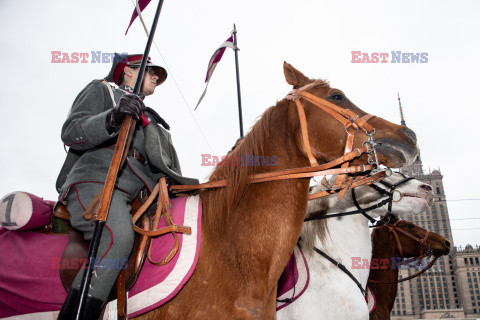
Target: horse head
{"type": "Point", "coordinates": [395, 144]}
{"type": "Point", "coordinates": [397, 193]}
{"type": "Point", "coordinates": [410, 240]}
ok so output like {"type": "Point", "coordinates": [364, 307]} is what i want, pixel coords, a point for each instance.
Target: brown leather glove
{"type": "Point", "coordinates": [130, 104]}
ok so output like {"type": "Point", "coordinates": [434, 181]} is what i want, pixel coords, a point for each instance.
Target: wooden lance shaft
{"type": "Point", "coordinates": [119, 155]}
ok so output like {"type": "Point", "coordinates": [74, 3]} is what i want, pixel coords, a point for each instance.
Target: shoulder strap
{"type": "Point", "coordinates": [109, 87]}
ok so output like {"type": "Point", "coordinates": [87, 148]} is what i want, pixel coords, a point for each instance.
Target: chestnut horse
{"type": "Point", "coordinates": [331, 292]}
{"type": "Point", "coordinates": [386, 247]}
{"type": "Point", "coordinates": [250, 230]}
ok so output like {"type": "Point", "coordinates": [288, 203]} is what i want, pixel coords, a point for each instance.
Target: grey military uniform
{"type": "Point", "coordinates": [86, 168]}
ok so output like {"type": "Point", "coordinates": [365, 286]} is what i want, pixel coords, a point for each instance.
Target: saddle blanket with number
{"type": "Point", "coordinates": [30, 286]}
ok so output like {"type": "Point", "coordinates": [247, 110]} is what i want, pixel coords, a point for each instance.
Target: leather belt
{"type": "Point", "coordinates": [132, 153]}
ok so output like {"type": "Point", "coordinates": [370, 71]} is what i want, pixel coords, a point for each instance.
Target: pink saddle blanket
{"type": "Point", "coordinates": [294, 280]}
{"type": "Point", "coordinates": [30, 286]}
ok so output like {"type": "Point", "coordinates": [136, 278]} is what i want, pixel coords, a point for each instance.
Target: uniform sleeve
{"type": "Point", "coordinates": [85, 125]}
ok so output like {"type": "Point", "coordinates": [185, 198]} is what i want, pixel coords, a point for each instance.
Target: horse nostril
{"type": "Point", "coordinates": [410, 134]}
{"type": "Point", "coordinates": [426, 187]}
{"type": "Point", "coordinates": [447, 243]}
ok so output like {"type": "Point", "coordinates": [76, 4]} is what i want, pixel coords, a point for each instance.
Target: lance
{"type": "Point", "coordinates": [118, 159]}
{"type": "Point", "coordinates": [235, 48]}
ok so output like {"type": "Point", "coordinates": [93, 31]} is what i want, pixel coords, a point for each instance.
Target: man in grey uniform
{"type": "Point", "coordinates": [90, 132]}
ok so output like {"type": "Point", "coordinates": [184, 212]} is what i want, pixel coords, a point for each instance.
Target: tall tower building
{"type": "Point", "coordinates": [433, 295]}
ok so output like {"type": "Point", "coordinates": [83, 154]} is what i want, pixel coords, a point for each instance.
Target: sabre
{"type": "Point", "coordinates": [118, 159]}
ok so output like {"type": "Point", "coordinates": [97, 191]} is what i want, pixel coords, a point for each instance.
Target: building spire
{"type": "Point", "coordinates": [402, 120]}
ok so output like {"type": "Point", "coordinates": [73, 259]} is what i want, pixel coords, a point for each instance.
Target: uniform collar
{"type": "Point", "coordinates": [126, 88]}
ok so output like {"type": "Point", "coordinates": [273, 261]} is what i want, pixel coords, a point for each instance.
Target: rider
{"type": "Point", "coordinates": [90, 132]}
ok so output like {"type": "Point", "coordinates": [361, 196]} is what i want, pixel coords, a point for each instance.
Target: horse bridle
{"type": "Point", "coordinates": [423, 245]}
{"type": "Point", "coordinates": [352, 123]}
{"type": "Point", "coordinates": [394, 229]}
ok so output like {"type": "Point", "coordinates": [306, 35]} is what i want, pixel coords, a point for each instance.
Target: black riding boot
{"type": "Point", "coordinates": [92, 310]}
{"type": "Point", "coordinates": [69, 306]}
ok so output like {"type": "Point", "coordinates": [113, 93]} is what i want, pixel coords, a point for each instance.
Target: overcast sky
{"type": "Point", "coordinates": [440, 97]}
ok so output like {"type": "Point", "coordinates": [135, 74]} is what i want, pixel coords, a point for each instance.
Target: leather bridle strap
{"type": "Point", "coordinates": [304, 130]}
{"type": "Point", "coordinates": [350, 185]}
{"type": "Point", "coordinates": [364, 212]}
{"type": "Point", "coordinates": [394, 228]}
{"type": "Point", "coordinates": [375, 206]}
{"type": "Point", "coordinates": [296, 173]}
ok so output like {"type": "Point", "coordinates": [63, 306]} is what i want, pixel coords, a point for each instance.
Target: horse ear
{"type": "Point", "coordinates": [293, 76]}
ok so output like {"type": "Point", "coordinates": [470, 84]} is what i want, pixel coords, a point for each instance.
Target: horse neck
{"type": "Point", "coordinates": [259, 228]}
{"type": "Point", "coordinates": [384, 250]}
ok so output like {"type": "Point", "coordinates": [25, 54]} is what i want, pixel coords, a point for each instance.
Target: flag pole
{"type": "Point", "coordinates": [235, 48]}
{"type": "Point", "coordinates": [118, 159]}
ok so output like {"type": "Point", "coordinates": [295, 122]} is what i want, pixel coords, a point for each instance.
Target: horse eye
{"type": "Point", "coordinates": [410, 226]}
{"type": "Point", "coordinates": [336, 96]}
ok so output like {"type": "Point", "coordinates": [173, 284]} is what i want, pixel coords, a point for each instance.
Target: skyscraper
{"type": "Point", "coordinates": [436, 293]}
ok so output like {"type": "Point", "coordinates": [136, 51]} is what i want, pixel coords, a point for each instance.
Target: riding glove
{"type": "Point", "coordinates": [130, 104]}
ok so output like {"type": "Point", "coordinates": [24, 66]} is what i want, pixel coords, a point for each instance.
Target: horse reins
{"type": "Point", "coordinates": [352, 123]}
{"type": "Point", "coordinates": [389, 201]}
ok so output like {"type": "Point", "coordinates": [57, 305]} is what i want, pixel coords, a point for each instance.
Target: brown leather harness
{"type": "Point", "coordinates": [394, 228]}
{"type": "Point", "coordinates": [352, 123]}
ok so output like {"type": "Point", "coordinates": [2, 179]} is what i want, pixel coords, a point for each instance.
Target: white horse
{"type": "Point", "coordinates": [331, 293]}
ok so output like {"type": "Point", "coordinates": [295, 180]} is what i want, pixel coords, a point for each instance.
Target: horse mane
{"type": "Point", "coordinates": [222, 201]}
{"type": "Point", "coordinates": [314, 229]}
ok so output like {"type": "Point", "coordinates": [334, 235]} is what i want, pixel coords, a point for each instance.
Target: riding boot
{"type": "Point", "coordinates": [69, 306]}
{"type": "Point", "coordinates": [93, 308]}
